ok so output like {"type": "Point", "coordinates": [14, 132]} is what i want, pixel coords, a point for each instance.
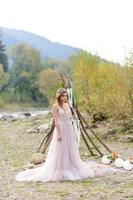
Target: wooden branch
{"type": "Point", "coordinates": [106, 147]}
{"type": "Point", "coordinates": [89, 136]}
{"type": "Point", "coordinates": [47, 136]}
{"type": "Point", "coordinates": [91, 152]}
{"type": "Point", "coordinates": [47, 142]}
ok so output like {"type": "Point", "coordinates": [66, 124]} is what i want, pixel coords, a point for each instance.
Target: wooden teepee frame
{"type": "Point", "coordinates": [83, 130]}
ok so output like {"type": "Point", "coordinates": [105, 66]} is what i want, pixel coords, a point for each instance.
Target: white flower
{"type": "Point", "coordinates": [119, 162]}
{"type": "Point", "coordinates": [105, 160]}
{"type": "Point", "coordinates": [127, 165]}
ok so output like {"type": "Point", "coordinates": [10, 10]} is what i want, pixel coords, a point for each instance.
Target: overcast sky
{"type": "Point", "coordinates": [104, 27]}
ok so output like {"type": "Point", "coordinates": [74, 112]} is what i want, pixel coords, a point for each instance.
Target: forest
{"type": "Point", "coordinates": [100, 87]}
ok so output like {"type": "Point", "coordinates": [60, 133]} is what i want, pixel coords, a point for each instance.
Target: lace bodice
{"type": "Point", "coordinates": [64, 115]}
{"type": "Point", "coordinates": [61, 115]}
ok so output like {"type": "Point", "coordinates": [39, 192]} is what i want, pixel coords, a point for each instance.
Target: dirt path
{"type": "Point", "coordinates": [16, 149]}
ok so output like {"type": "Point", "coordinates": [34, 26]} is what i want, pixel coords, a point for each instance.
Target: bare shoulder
{"type": "Point", "coordinates": [55, 105]}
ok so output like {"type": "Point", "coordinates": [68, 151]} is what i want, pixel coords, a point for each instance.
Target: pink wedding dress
{"type": "Point", "coordinates": [63, 160]}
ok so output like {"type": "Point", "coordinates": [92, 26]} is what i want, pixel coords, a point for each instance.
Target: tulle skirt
{"type": "Point", "coordinates": [63, 161]}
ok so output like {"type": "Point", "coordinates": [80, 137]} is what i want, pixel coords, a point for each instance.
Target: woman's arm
{"type": "Point", "coordinates": [56, 118]}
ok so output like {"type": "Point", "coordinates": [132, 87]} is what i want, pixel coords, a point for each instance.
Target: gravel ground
{"type": "Point", "coordinates": [16, 149]}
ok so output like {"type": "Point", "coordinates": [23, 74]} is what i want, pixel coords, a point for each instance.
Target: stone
{"type": "Point", "coordinates": [38, 158]}
{"type": "Point", "coordinates": [43, 127]}
{"type": "Point", "coordinates": [126, 138]}
{"type": "Point", "coordinates": [108, 133]}
{"type": "Point", "coordinates": [8, 118]}
{"type": "Point", "coordinates": [33, 130]}
{"type": "Point", "coordinates": [27, 114]}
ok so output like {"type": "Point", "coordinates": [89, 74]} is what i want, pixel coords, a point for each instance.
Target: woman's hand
{"type": "Point", "coordinates": [59, 137]}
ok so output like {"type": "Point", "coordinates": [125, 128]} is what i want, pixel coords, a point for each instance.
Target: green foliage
{"type": "Point", "coordinates": [49, 83]}
{"type": "Point", "coordinates": [24, 72]}
{"type": "Point", "coordinates": [4, 77]}
{"type": "Point", "coordinates": [102, 86]}
{"type": "Point", "coordinates": [3, 57]}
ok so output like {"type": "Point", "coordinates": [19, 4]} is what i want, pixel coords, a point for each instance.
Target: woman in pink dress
{"type": "Point", "coordinates": [63, 160]}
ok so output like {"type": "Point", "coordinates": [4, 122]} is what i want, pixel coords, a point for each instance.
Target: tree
{"type": "Point", "coordinates": [102, 86]}
{"type": "Point", "coordinates": [3, 57]}
{"type": "Point", "coordinates": [4, 77]}
{"type": "Point", "coordinates": [25, 69]}
{"type": "Point", "coordinates": [49, 83]}
{"type": "Point", "coordinates": [84, 69]}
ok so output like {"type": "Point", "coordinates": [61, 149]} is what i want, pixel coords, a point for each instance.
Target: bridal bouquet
{"type": "Point", "coordinates": [107, 159]}
{"type": "Point", "coordinates": [113, 156]}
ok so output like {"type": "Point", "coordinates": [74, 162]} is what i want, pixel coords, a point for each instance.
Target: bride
{"type": "Point", "coordinates": [63, 160]}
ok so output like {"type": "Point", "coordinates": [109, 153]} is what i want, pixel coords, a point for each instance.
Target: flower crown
{"type": "Point", "coordinates": [60, 91]}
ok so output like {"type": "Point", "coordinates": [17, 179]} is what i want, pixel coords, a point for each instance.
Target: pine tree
{"type": "Point", "coordinates": [3, 56]}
